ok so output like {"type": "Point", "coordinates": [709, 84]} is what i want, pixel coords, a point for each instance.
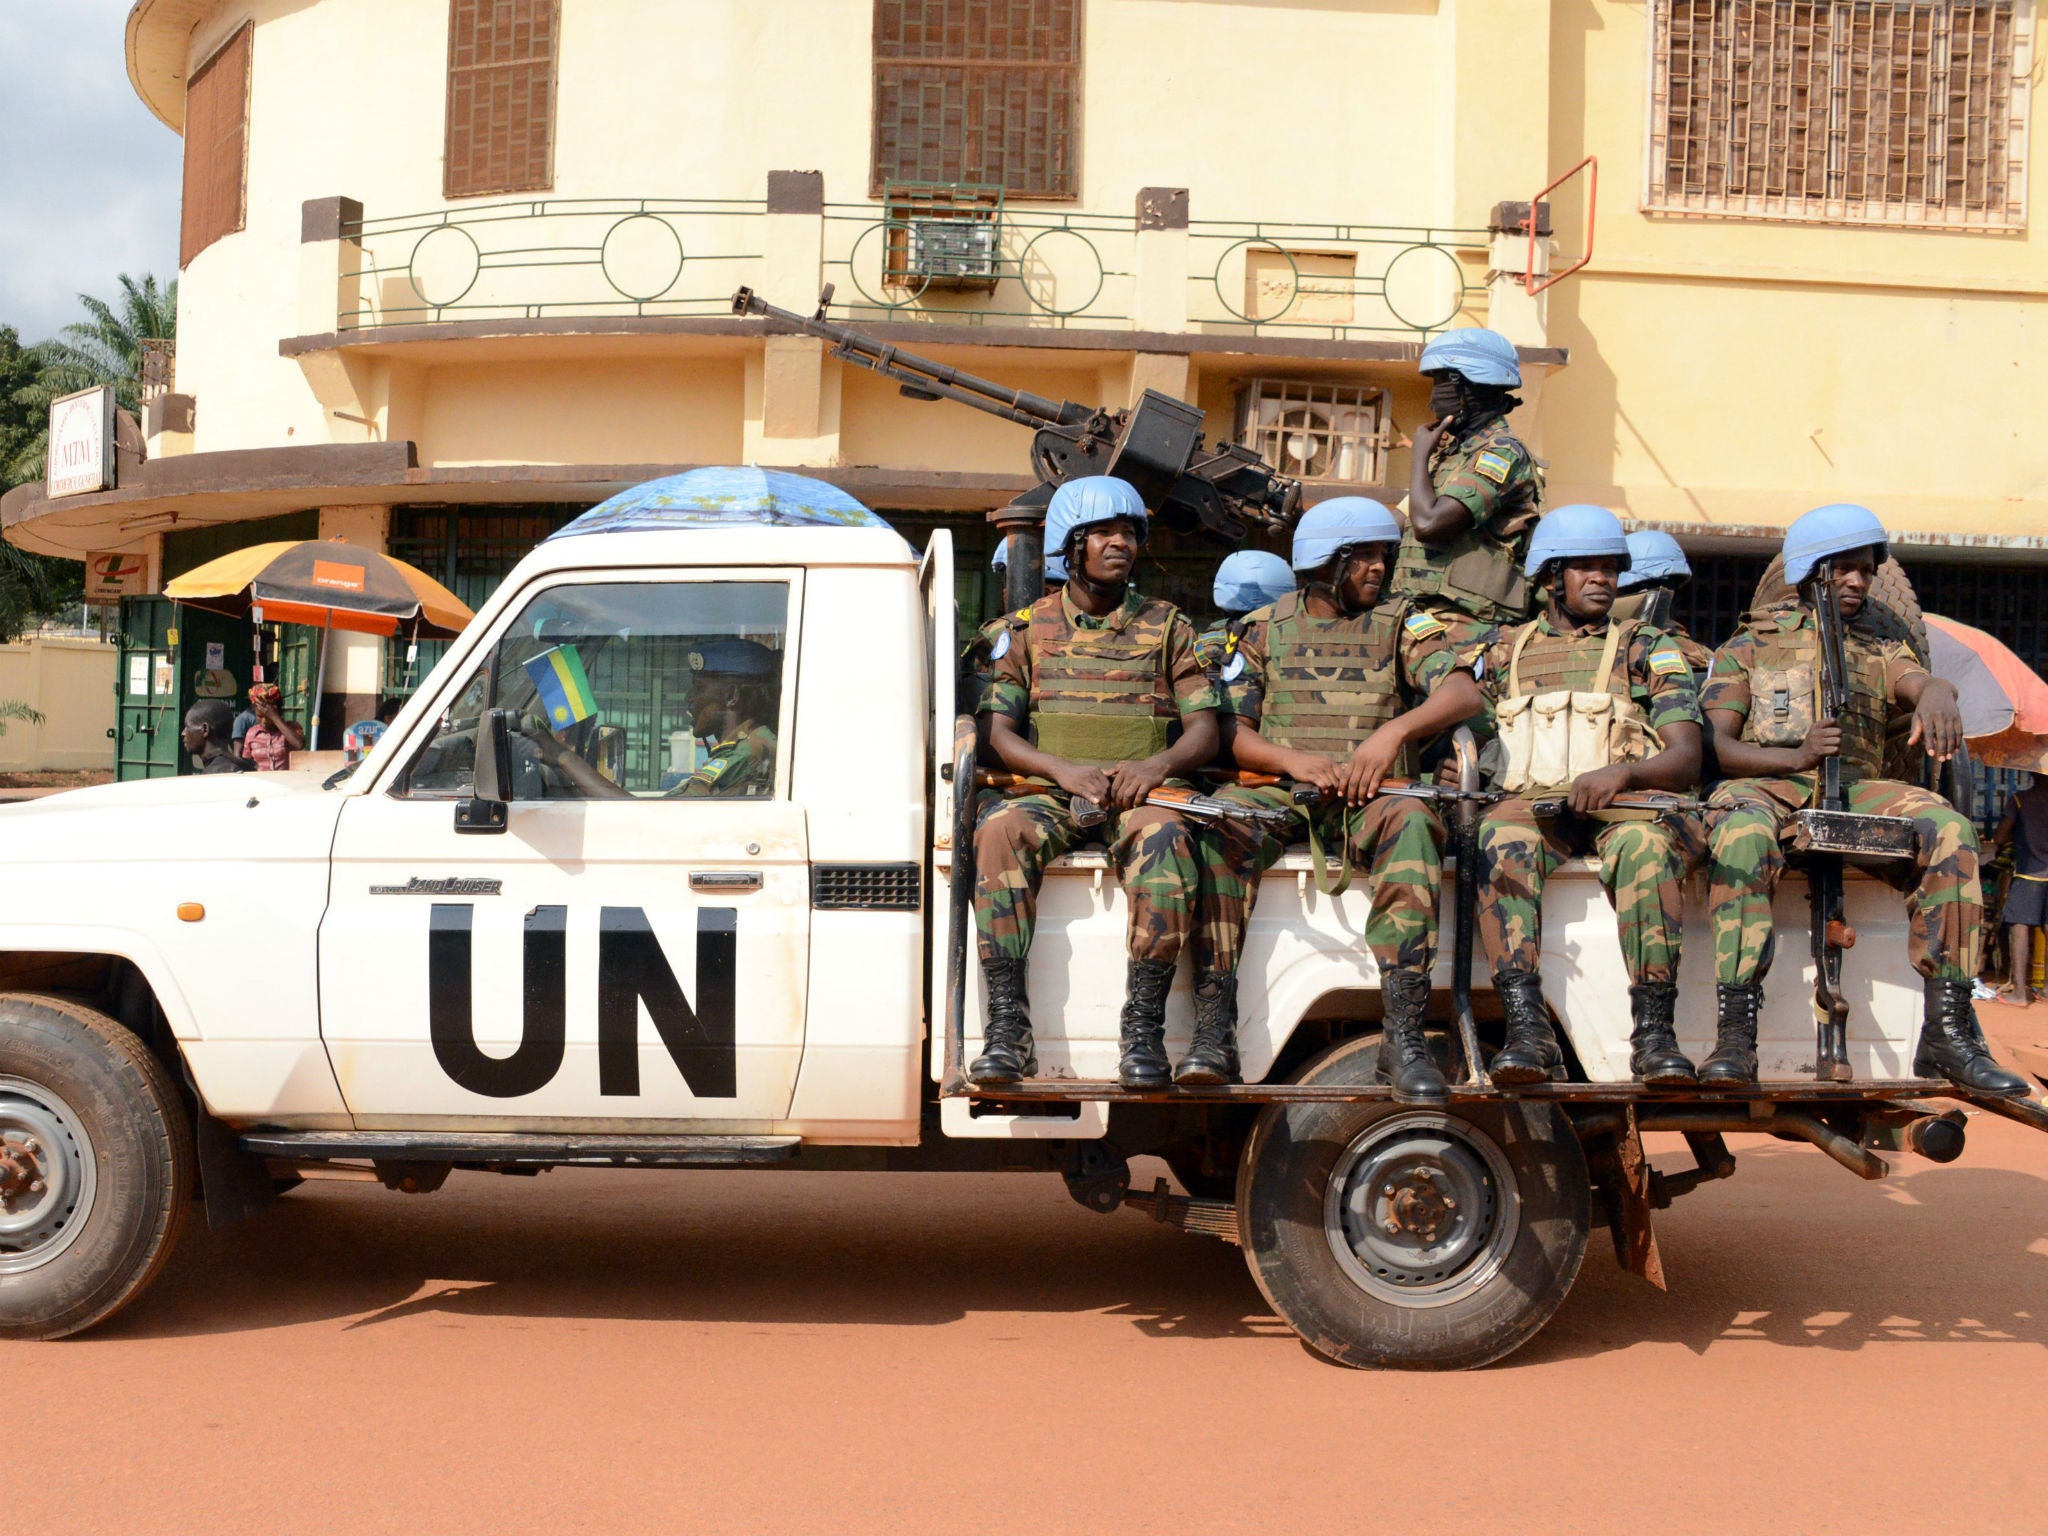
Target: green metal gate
{"type": "Point", "coordinates": [168, 663]}
{"type": "Point", "coordinates": [146, 713]}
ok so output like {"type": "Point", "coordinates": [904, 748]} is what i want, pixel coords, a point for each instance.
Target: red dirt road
{"type": "Point", "coordinates": [617, 1352]}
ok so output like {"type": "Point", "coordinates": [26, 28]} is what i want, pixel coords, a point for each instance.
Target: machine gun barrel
{"type": "Point", "coordinates": [1829, 933]}
{"type": "Point", "coordinates": [921, 374]}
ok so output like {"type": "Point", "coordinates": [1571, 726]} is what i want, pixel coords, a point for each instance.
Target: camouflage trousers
{"type": "Point", "coordinates": [1016, 836]}
{"type": "Point", "coordinates": [1746, 822]}
{"type": "Point", "coordinates": [1643, 864]}
{"type": "Point", "coordinates": [1397, 844]}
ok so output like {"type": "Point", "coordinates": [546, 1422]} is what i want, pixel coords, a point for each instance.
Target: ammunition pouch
{"type": "Point", "coordinates": [1100, 740]}
{"type": "Point", "coordinates": [1781, 704]}
{"type": "Point", "coordinates": [1487, 574]}
{"type": "Point", "coordinates": [1548, 739]}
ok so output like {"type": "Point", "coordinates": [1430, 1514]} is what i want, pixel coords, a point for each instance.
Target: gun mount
{"type": "Point", "coordinates": [1156, 445]}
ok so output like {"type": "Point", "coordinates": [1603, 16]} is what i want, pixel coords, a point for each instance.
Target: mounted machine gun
{"type": "Point", "coordinates": [1156, 445]}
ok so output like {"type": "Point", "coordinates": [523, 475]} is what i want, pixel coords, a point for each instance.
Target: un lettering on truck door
{"type": "Point", "coordinates": [643, 961]}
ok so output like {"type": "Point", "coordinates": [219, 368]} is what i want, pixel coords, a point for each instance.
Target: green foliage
{"type": "Point", "coordinates": [103, 348]}
{"type": "Point", "coordinates": [15, 709]}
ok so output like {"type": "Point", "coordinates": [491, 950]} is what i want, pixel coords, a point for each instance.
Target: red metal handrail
{"type": "Point", "coordinates": [1590, 163]}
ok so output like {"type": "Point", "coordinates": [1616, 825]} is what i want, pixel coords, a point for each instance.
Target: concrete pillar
{"type": "Point", "coordinates": [355, 663]}
{"type": "Point", "coordinates": [792, 405]}
{"type": "Point", "coordinates": [1510, 308]}
{"type": "Point", "coordinates": [167, 423]}
{"type": "Point", "coordinates": [330, 295]}
{"type": "Point", "coordinates": [1159, 282]}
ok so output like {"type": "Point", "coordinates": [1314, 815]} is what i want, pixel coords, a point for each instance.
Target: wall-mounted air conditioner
{"type": "Point", "coordinates": [1315, 430]}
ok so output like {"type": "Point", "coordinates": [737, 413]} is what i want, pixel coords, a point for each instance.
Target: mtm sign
{"type": "Point", "coordinates": [81, 452]}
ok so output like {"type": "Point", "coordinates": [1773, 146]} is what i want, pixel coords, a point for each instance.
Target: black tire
{"type": "Point", "coordinates": [116, 1188]}
{"type": "Point", "coordinates": [1508, 1259]}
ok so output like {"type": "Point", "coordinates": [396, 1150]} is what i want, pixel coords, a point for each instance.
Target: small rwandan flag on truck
{"type": "Point", "coordinates": [564, 691]}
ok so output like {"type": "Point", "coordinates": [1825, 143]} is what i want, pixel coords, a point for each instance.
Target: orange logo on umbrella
{"type": "Point", "coordinates": [349, 578]}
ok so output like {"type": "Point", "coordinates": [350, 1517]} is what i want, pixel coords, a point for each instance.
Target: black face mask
{"type": "Point", "coordinates": [1445, 397]}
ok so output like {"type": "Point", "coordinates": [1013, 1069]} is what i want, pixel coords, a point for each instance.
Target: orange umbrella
{"type": "Point", "coordinates": [328, 584]}
{"type": "Point", "coordinates": [2003, 700]}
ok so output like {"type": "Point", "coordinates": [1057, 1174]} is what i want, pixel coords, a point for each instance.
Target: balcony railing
{"type": "Point", "coordinates": [547, 258]}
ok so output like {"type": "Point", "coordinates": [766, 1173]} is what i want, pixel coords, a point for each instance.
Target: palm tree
{"type": "Point", "coordinates": [104, 348]}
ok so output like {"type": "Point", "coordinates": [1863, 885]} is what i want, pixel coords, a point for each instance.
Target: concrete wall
{"type": "Point", "coordinates": [72, 683]}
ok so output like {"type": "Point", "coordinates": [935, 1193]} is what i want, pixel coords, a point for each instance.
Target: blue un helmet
{"type": "Point", "coordinates": [1831, 530]}
{"type": "Point", "coordinates": [1578, 532]}
{"type": "Point", "coordinates": [1478, 355]}
{"type": "Point", "coordinates": [1330, 527]}
{"type": "Point", "coordinates": [1055, 567]}
{"type": "Point", "coordinates": [1087, 501]}
{"type": "Point", "coordinates": [1250, 579]}
{"type": "Point", "coordinates": [739, 659]}
{"type": "Point", "coordinates": [1000, 560]}
{"type": "Point", "coordinates": [1653, 555]}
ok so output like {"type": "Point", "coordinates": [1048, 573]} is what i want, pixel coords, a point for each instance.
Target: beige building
{"type": "Point", "coordinates": [451, 272]}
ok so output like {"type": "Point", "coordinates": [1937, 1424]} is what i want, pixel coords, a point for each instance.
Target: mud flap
{"type": "Point", "coordinates": [233, 1184]}
{"type": "Point", "coordinates": [1626, 1192]}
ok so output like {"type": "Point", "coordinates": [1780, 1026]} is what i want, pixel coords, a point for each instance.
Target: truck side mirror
{"type": "Point", "coordinates": [486, 809]}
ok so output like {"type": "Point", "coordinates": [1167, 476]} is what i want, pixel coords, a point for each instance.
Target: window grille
{"type": "Point", "coordinates": [501, 97]}
{"type": "Point", "coordinates": [978, 91]}
{"type": "Point", "coordinates": [216, 148]}
{"type": "Point", "coordinates": [1904, 112]}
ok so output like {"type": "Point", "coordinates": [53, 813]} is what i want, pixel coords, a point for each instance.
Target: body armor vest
{"type": "Point", "coordinates": [1480, 571]}
{"type": "Point", "coordinates": [1567, 708]}
{"type": "Point", "coordinates": [1330, 683]}
{"type": "Point", "coordinates": [1784, 690]}
{"type": "Point", "coordinates": [1101, 696]}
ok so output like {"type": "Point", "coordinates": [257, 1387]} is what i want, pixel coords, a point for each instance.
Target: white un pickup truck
{"type": "Point", "coordinates": [463, 956]}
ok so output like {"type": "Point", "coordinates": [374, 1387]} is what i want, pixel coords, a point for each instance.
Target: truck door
{"type": "Point", "coordinates": [630, 952]}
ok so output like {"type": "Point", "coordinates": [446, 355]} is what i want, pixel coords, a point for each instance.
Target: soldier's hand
{"type": "Point", "coordinates": [1938, 723]}
{"type": "Point", "coordinates": [1130, 783]}
{"type": "Point", "coordinates": [1369, 764]}
{"type": "Point", "coordinates": [1429, 435]}
{"type": "Point", "coordinates": [1822, 743]}
{"type": "Point", "coordinates": [1084, 781]}
{"type": "Point", "coordinates": [1326, 773]}
{"type": "Point", "coordinates": [1595, 791]}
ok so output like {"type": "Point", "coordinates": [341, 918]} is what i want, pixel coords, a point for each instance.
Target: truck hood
{"type": "Point", "coordinates": [248, 818]}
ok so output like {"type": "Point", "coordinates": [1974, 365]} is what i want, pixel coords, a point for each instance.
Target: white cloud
{"type": "Point", "coordinates": [89, 180]}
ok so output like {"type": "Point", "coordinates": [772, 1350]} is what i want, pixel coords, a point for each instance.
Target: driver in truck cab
{"type": "Point", "coordinates": [1588, 708]}
{"type": "Point", "coordinates": [1095, 695]}
{"type": "Point", "coordinates": [1761, 702]}
{"type": "Point", "coordinates": [1331, 687]}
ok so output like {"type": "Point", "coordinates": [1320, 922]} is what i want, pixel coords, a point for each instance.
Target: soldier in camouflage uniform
{"type": "Point", "coordinates": [1333, 688]}
{"type": "Point", "coordinates": [1248, 579]}
{"type": "Point", "coordinates": [1102, 678]}
{"type": "Point", "coordinates": [974, 660]}
{"type": "Point", "coordinates": [1657, 569]}
{"type": "Point", "coordinates": [1474, 491]}
{"type": "Point", "coordinates": [733, 701]}
{"type": "Point", "coordinates": [1644, 734]}
{"type": "Point", "coordinates": [1761, 701]}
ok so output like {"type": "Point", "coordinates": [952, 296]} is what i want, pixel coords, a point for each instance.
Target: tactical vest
{"type": "Point", "coordinates": [1784, 690]}
{"type": "Point", "coordinates": [1330, 683]}
{"type": "Point", "coordinates": [1480, 571]}
{"type": "Point", "coordinates": [1567, 709]}
{"type": "Point", "coordinates": [1101, 696]}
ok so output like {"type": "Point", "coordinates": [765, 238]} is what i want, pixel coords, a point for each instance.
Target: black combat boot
{"type": "Point", "coordinates": [1212, 1054]}
{"type": "Point", "coordinates": [1531, 1053]}
{"type": "Point", "coordinates": [1007, 1053]}
{"type": "Point", "coordinates": [1653, 1053]}
{"type": "Point", "coordinates": [1952, 1045]}
{"type": "Point", "coordinates": [1733, 1062]}
{"type": "Point", "coordinates": [1143, 1063]}
{"type": "Point", "coordinates": [1404, 1050]}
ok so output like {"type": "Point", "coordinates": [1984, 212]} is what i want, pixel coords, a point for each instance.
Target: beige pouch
{"type": "Point", "coordinates": [1781, 701]}
{"type": "Point", "coordinates": [1592, 733]}
{"type": "Point", "coordinates": [1550, 756]}
{"type": "Point", "coordinates": [1517, 728]}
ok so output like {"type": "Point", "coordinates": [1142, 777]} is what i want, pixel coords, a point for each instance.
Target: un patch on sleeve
{"type": "Point", "coordinates": [1422, 624]}
{"type": "Point", "coordinates": [1665, 661]}
{"type": "Point", "coordinates": [1494, 466]}
{"type": "Point", "coordinates": [1001, 648]}
{"type": "Point", "coordinates": [1233, 669]}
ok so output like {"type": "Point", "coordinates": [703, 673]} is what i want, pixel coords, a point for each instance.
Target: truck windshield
{"type": "Point", "coordinates": [643, 690]}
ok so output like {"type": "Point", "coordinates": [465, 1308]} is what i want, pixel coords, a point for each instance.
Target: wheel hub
{"type": "Point", "coordinates": [1421, 1209]}
{"type": "Point", "coordinates": [47, 1175]}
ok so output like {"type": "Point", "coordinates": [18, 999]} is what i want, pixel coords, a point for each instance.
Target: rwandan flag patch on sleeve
{"type": "Point", "coordinates": [1495, 466]}
{"type": "Point", "coordinates": [1422, 624]}
{"type": "Point", "coordinates": [1665, 661]}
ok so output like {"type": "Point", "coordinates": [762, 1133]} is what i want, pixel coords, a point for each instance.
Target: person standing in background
{"type": "Point", "coordinates": [272, 740]}
{"type": "Point", "coordinates": [2025, 826]}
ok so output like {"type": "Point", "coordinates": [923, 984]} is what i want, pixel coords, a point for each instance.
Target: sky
{"type": "Point", "coordinates": [89, 181]}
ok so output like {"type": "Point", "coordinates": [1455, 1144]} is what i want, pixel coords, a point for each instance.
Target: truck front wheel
{"type": "Point", "coordinates": [1431, 1239]}
{"type": "Point", "coordinates": [96, 1166]}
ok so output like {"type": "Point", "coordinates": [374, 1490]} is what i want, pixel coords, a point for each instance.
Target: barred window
{"type": "Point", "coordinates": [501, 97]}
{"type": "Point", "coordinates": [1902, 112]}
{"type": "Point", "coordinates": [984, 91]}
{"type": "Point", "coordinates": [216, 148]}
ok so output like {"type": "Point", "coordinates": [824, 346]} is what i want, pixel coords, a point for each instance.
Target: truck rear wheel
{"type": "Point", "coordinates": [1430, 1239]}
{"type": "Point", "coordinates": [96, 1167]}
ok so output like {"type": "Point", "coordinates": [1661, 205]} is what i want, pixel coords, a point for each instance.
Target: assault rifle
{"type": "Point", "coordinates": [1156, 445]}
{"type": "Point", "coordinates": [1630, 805]}
{"type": "Point", "coordinates": [1313, 794]}
{"type": "Point", "coordinates": [1187, 801]}
{"type": "Point", "coordinates": [1827, 833]}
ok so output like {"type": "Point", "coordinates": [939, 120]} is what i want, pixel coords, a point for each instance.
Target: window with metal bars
{"type": "Point", "coordinates": [501, 97]}
{"type": "Point", "coordinates": [216, 148]}
{"type": "Point", "coordinates": [1902, 112]}
{"type": "Point", "coordinates": [978, 91]}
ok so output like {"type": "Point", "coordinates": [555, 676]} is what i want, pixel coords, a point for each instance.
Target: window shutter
{"type": "Point", "coordinates": [216, 148]}
{"type": "Point", "coordinates": [501, 96]}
